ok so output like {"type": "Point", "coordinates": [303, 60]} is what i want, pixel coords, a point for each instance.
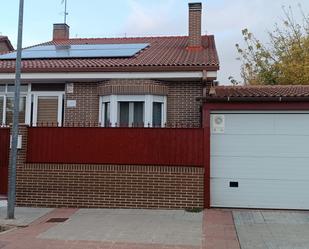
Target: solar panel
{"type": "Point", "coordinates": [79, 51]}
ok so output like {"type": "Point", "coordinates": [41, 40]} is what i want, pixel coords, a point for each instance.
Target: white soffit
{"type": "Point", "coordinates": [108, 75]}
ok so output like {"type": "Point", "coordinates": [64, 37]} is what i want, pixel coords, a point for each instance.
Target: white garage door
{"type": "Point", "coordinates": [260, 160]}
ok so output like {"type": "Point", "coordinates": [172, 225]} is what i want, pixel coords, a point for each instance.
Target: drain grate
{"type": "Point", "coordinates": [57, 220]}
{"type": "Point", "coordinates": [3, 228]}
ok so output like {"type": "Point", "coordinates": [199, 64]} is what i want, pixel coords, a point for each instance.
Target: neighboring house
{"type": "Point", "coordinates": [145, 81]}
{"type": "Point", "coordinates": [5, 45]}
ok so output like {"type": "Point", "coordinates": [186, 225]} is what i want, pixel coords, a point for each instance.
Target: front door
{"type": "Point", "coordinates": [4, 159]}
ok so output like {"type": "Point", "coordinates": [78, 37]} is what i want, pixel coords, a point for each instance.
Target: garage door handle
{"type": "Point", "coordinates": [233, 184]}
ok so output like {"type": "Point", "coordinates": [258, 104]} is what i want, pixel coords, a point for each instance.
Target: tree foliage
{"type": "Point", "coordinates": [284, 60]}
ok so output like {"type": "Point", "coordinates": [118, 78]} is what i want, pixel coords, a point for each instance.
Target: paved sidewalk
{"type": "Point", "coordinates": [23, 216]}
{"type": "Point", "coordinates": [260, 229]}
{"type": "Point", "coordinates": [166, 227]}
{"type": "Point", "coordinates": [139, 229]}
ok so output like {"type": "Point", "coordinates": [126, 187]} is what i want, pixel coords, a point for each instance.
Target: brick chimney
{"type": "Point", "coordinates": [61, 31]}
{"type": "Point", "coordinates": [195, 26]}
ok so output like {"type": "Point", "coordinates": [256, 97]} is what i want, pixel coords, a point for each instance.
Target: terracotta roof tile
{"type": "Point", "coordinates": [163, 52]}
{"type": "Point", "coordinates": [246, 92]}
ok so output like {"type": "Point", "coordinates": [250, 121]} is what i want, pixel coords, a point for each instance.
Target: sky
{"type": "Point", "coordinates": [118, 18]}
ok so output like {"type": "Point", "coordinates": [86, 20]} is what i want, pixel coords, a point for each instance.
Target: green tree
{"type": "Point", "coordinates": [282, 61]}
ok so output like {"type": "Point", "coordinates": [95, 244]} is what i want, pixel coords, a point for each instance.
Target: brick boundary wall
{"type": "Point", "coordinates": [110, 186]}
{"type": "Point", "coordinates": [107, 186]}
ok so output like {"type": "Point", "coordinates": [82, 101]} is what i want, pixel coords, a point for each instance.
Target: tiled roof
{"type": "Point", "coordinates": [164, 53]}
{"type": "Point", "coordinates": [249, 92]}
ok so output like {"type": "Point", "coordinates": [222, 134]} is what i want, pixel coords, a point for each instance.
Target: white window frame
{"type": "Point", "coordinates": [148, 107]}
{"type": "Point", "coordinates": [36, 95]}
{"type": "Point", "coordinates": [2, 123]}
{"type": "Point", "coordinates": [6, 94]}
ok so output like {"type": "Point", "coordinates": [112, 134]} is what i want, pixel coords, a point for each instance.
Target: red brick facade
{"type": "Point", "coordinates": [182, 106]}
{"type": "Point", "coordinates": [133, 87]}
{"type": "Point", "coordinates": [87, 104]}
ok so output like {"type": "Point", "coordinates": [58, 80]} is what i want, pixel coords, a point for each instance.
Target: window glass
{"type": "Point", "coordinates": [131, 113]}
{"type": "Point", "coordinates": [124, 113]}
{"type": "Point", "coordinates": [157, 114]}
{"type": "Point", "coordinates": [23, 88]}
{"type": "Point", "coordinates": [2, 88]}
{"type": "Point", "coordinates": [138, 118]}
{"type": "Point", "coordinates": [106, 114]}
{"type": "Point", "coordinates": [10, 109]}
{"type": "Point", "coordinates": [1, 109]}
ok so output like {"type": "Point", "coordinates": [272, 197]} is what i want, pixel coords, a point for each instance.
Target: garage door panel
{"type": "Point", "coordinates": [260, 194]}
{"type": "Point", "coordinates": [292, 124]}
{"type": "Point", "coordinates": [260, 167]}
{"type": "Point", "coordinates": [267, 155]}
{"type": "Point", "coordinates": [240, 124]}
{"type": "Point", "coordinates": [260, 145]}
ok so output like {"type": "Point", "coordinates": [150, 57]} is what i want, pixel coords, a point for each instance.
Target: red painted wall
{"type": "Point", "coordinates": [4, 159]}
{"type": "Point", "coordinates": [133, 146]}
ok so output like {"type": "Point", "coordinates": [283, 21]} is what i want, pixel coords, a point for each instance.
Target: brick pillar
{"type": "Point", "coordinates": [21, 154]}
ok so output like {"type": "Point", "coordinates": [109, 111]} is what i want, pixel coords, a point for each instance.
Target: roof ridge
{"type": "Point", "coordinates": [133, 37]}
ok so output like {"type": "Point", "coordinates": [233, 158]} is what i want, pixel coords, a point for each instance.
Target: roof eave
{"type": "Point", "coordinates": [115, 69]}
{"type": "Point", "coordinates": [256, 99]}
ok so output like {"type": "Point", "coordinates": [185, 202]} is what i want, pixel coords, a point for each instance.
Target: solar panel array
{"type": "Point", "coordinates": [79, 51]}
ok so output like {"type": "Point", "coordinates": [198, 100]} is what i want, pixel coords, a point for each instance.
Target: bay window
{"type": "Point", "coordinates": [133, 110]}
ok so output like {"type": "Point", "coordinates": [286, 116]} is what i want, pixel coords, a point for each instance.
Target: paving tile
{"type": "Point", "coordinates": [219, 230]}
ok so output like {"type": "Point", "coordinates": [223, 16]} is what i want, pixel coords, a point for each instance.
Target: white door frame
{"type": "Point", "coordinates": [36, 95]}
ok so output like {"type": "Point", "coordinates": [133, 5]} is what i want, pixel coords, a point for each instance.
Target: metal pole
{"type": "Point", "coordinates": [13, 159]}
{"type": "Point", "coordinates": [65, 12]}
